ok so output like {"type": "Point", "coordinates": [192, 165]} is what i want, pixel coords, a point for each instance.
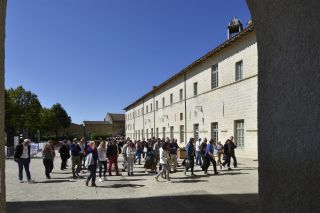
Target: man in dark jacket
{"type": "Point", "coordinates": [228, 149]}
{"type": "Point", "coordinates": [22, 157]}
{"type": "Point", "coordinates": [75, 158]}
{"type": "Point", "coordinates": [64, 155]}
{"type": "Point", "coordinates": [112, 155]}
{"type": "Point", "coordinates": [190, 153]}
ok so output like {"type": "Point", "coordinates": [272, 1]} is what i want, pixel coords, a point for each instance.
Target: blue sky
{"type": "Point", "coordinates": [98, 56]}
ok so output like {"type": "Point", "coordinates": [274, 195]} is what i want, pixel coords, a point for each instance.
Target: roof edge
{"type": "Point", "coordinates": [249, 28]}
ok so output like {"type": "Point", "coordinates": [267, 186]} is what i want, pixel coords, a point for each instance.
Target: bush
{"type": "Point", "coordinates": [97, 136]}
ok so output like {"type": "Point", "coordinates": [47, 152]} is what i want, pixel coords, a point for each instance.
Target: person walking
{"type": "Point", "coordinates": [131, 152]}
{"type": "Point", "coordinates": [198, 152]}
{"type": "Point", "coordinates": [124, 155]}
{"type": "Point", "coordinates": [209, 158]}
{"type": "Point", "coordinates": [48, 156]}
{"type": "Point", "coordinates": [91, 163]}
{"type": "Point", "coordinates": [228, 149]}
{"type": "Point", "coordinates": [22, 157]}
{"type": "Point", "coordinates": [112, 155]}
{"type": "Point", "coordinates": [102, 157]}
{"type": "Point", "coordinates": [190, 153]}
{"type": "Point", "coordinates": [150, 162]}
{"type": "Point", "coordinates": [173, 147]}
{"type": "Point", "coordinates": [64, 155]}
{"type": "Point", "coordinates": [164, 161]}
{"type": "Point", "coordinates": [219, 148]}
{"type": "Point", "coordinates": [75, 158]}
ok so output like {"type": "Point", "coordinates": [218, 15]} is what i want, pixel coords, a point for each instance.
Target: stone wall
{"type": "Point", "coordinates": [3, 4]}
{"type": "Point", "coordinates": [288, 37]}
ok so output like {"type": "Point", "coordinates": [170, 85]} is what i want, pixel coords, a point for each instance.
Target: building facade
{"type": "Point", "coordinates": [214, 97]}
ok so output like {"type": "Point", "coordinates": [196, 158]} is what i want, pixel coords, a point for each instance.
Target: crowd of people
{"type": "Point", "coordinates": [159, 155]}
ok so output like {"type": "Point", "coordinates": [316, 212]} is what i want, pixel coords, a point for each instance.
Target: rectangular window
{"type": "Point", "coordinates": [147, 132]}
{"type": "Point", "coordinates": [195, 88]}
{"type": "Point", "coordinates": [181, 133]}
{"type": "Point", "coordinates": [163, 102]}
{"type": "Point", "coordinates": [138, 112]}
{"type": "Point", "coordinates": [157, 105]}
{"type": "Point", "coordinates": [171, 98]}
{"type": "Point", "coordinates": [214, 76]}
{"type": "Point", "coordinates": [196, 131]}
{"type": "Point", "coordinates": [239, 131]}
{"type": "Point", "coordinates": [181, 116]}
{"type": "Point", "coordinates": [239, 70]}
{"type": "Point", "coordinates": [151, 132]}
{"type": "Point", "coordinates": [157, 132]}
{"type": "Point", "coordinates": [151, 107]}
{"type": "Point", "coordinates": [181, 94]}
{"type": "Point", "coordinates": [163, 132]}
{"type": "Point", "coordinates": [147, 109]}
{"type": "Point", "coordinates": [214, 131]}
{"type": "Point", "coordinates": [142, 135]}
{"type": "Point", "coordinates": [171, 132]}
{"type": "Point", "coordinates": [142, 111]}
{"type": "Point", "coordinates": [139, 134]}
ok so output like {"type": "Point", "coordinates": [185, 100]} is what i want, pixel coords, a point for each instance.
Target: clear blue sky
{"type": "Point", "coordinates": [98, 56]}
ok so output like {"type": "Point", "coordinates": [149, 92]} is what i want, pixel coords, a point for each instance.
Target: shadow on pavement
{"type": "Point", "coordinates": [122, 186]}
{"type": "Point", "coordinates": [240, 203]}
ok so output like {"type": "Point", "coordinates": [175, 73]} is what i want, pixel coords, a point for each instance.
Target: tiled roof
{"type": "Point", "coordinates": [117, 116]}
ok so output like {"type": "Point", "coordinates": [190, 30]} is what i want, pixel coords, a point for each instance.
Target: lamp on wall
{"type": "Point", "coordinates": [199, 108]}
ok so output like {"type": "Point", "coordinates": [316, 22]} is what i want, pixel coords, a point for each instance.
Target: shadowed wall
{"type": "Point", "coordinates": [288, 37]}
{"type": "Point", "coordinates": [3, 5]}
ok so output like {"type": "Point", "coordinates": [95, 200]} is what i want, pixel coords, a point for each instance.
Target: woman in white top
{"type": "Point", "coordinates": [102, 160]}
{"type": "Point", "coordinates": [131, 152]}
{"type": "Point", "coordinates": [164, 161]}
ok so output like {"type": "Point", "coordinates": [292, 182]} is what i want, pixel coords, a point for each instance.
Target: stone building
{"type": "Point", "coordinates": [214, 97]}
{"type": "Point", "coordinates": [112, 125]}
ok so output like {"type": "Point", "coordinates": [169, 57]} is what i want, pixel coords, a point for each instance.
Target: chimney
{"type": "Point", "coordinates": [234, 27]}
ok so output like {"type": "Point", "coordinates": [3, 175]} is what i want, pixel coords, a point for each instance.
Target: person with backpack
{"type": "Point", "coordinates": [203, 148]}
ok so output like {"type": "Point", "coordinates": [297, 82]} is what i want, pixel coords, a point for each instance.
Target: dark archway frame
{"type": "Point", "coordinates": [288, 38]}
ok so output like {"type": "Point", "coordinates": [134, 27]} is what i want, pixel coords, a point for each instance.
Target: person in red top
{"type": "Point", "coordinates": [112, 155]}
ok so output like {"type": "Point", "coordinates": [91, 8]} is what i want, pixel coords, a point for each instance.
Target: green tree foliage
{"type": "Point", "coordinates": [24, 114]}
{"type": "Point", "coordinates": [22, 111]}
{"type": "Point", "coordinates": [62, 116]}
{"type": "Point", "coordinates": [48, 121]}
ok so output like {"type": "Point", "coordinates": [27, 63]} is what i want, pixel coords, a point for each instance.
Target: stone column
{"type": "Point", "coordinates": [3, 5]}
{"type": "Point", "coordinates": [288, 38]}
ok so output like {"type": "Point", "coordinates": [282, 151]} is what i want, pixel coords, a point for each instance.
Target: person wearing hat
{"type": "Point", "coordinates": [22, 157]}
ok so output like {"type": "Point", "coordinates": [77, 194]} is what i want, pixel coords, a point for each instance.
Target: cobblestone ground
{"type": "Point", "coordinates": [234, 191]}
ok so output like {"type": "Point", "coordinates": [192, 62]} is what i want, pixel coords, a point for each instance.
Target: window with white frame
{"type": "Point", "coordinates": [239, 70]}
{"type": "Point", "coordinates": [214, 131]}
{"type": "Point", "coordinates": [157, 132]}
{"type": "Point", "coordinates": [163, 102]}
{"type": "Point", "coordinates": [181, 133]}
{"type": "Point", "coordinates": [171, 132]}
{"type": "Point", "coordinates": [239, 133]}
{"type": "Point", "coordinates": [163, 132]}
{"type": "Point", "coordinates": [195, 88]}
{"type": "Point", "coordinates": [181, 116]}
{"type": "Point", "coordinates": [196, 131]}
{"type": "Point", "coordinates": [147, 109]}
{"type": "Point", "coordinates": [151, 107]}
{"type": "Point", "coordinates": [181, 94]}
{"type": "Point", "coordinates": [157, 105]}
{"type": "Point", "coordinates": [214, 76]}
{"type": "Point", "coordinates": [171, 98]}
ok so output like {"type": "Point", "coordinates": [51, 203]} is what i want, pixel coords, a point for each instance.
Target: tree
{"type": "Point", "coordinates": [62, 116]}
{"type": "Point", "coordinates": [48, 121]}
{"type": "Point", "coordinates": [22, 112]}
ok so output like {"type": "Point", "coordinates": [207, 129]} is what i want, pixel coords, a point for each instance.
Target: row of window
{"type": "Point", "coordinates": [214, 84]}
{"type": "Point", "coordinates": [238, 131]}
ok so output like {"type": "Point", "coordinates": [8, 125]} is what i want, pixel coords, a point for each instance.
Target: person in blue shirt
{"type": "Point", "coordinates": [209, 157]}
{"type": "Point", "coordinates": [190, 153]}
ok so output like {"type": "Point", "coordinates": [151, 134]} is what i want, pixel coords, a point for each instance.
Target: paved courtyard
{"type": "Point", "coordinates": [230, 191]}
